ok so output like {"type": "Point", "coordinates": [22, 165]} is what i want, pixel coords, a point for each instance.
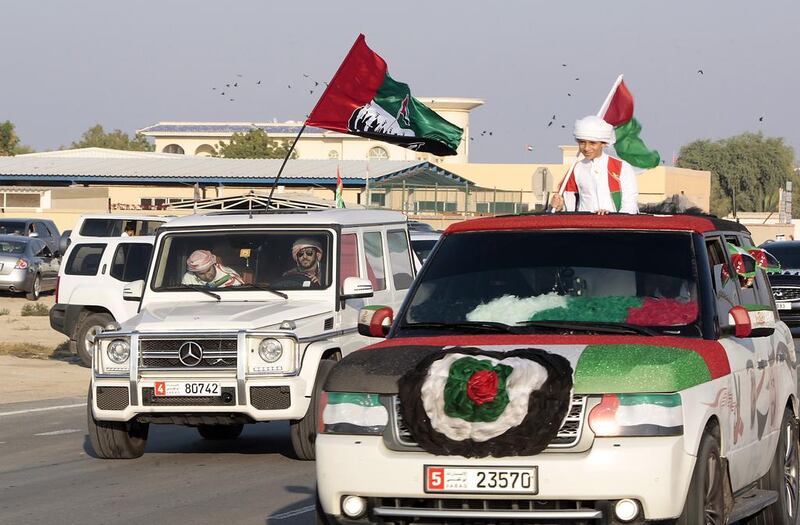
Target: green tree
{"type": "Point", "coordinates": [96, 137]}
{"type": "Point", "coordinates": [255, 144]}
{"type": "Point", "coordinates": [9, 141]}
{"type": "Point", "coordinates": [751, 166]}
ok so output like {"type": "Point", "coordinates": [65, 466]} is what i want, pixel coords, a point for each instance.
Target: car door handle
{"type": "Point", "coordinates": [762, 363]}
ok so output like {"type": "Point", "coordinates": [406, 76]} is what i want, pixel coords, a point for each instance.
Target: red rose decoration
{"type": "Point", "coordinates": [482, 386]}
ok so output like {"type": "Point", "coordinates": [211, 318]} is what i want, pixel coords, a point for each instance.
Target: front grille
{"type": "Point", "coordinates": [218, 353]}
{"type": "Point", "coordinates": [785, 293]}
{"type": "Point", "coordinates": [227, 397]}
{"type": "Point", "coordinates": [445, 510]}
{"type": "Point", "coordinates": [568, 435]}
{"type": "Point", "coordinates": [270, 397]}
{"type": "Point", "coordinates": [112, 397]}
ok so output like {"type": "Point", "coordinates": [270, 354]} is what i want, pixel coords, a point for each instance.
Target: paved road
{"type": "Point", "coordinates": [48, 474]}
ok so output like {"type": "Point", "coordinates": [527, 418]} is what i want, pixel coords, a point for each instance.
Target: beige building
{"type": "Point", "coordinates": [202, 138]}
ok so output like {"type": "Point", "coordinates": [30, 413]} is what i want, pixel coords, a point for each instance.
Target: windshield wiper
{"type": "Point", "coordinates": [257, 287]}
{"type": "Point", "coordinates": [482, 326]}
{"type": "Point", "coordinates": [197, 289]}
{"type": "Point", "coordinates": [590, 326]}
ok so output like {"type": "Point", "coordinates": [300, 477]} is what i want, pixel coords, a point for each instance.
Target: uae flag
{"type": "Point", "coordinates": [617, 110]}
{"type": "Point", "coordinates": [362, 99]}
{"type": "Point", "coordinates": [339, 189]}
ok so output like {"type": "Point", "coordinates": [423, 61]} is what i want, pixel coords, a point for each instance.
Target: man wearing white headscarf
{"type": "Point", "coordinates": [203, 269]}
{"type": "Point", "coordinates": [598, 183]}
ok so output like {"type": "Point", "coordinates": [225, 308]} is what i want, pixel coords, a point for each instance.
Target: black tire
{"type": "Point", "coordinates": [115, 439]}
{"type": "Point", "coordinates": [304, 431]}
{"type": "Point", "coordinates": [36, 288]}
{"type": "Point", "coordinates": [91, 325]}
{"type": "Point", "coordinates": [782, 477]}
{"type": "Point", "coordinates": [220, 431]}
{"type": "Point", "coordinates": [705, 502]}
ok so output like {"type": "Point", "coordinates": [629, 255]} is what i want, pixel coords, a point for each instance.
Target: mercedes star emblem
{"type": "Point", "coordinates": [190, 353]}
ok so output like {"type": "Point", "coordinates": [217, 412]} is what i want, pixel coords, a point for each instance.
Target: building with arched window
{"type": "Point", "coordinates": [202, 138]}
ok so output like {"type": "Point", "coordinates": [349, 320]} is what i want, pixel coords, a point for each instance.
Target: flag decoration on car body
{"type": "Point", "coordinates": [617, 110]}
{"type": "Point", "coordinates": [339, 189]}
{"type": "Point", "coordinates": [362, 99]}
{"type": "Point", "coordinates": [477, 403]}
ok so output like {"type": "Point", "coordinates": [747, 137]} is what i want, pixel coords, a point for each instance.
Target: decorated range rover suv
{"type": "Point", "coordinates": [569, 369]}
{"type": "Point", "coordinates": [241, 318]}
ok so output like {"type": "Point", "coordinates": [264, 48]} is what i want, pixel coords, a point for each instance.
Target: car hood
{"type": "Point", "coordinates": [600, 364]}
{"type": "Point", "coordinates": [224, 315]}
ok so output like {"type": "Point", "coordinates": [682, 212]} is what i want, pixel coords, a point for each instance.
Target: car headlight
{"type": "Point", "coordinates": [119, 350]}
{"type": "Point", "coordinates": [637, 415]}
{"type": "Point", "coordinates": [270, 350]}
{"type": "Point", "coordinates": [352, 413]}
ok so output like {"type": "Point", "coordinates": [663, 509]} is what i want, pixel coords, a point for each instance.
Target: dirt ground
{"type": "Point", "coordinates": [34, 360]}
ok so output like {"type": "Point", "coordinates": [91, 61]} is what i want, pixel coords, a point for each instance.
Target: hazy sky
{"type": "Point", "coordinates": [69, 65]}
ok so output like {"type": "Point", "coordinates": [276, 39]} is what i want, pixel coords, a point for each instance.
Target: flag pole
{"type": "Point", "coordinates": [288, 154]}
{"type": "Point", "coordinates": [607, 102]}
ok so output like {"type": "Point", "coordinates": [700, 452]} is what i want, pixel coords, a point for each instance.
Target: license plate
{"type": "Point", "coordinates": [186, 388]}
{"type": "Point", "coordinates": [481, 480]}
{"type": "Point", "coordinates": [784, 306]}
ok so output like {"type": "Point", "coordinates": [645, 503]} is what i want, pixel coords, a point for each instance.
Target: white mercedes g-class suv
{"type": "Point", "coordinates": [241, 318]}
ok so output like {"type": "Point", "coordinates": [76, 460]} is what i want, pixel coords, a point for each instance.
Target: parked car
{"type": "Point", "coordinates": [241, 319]}
{"type": "Point", "coordinates": [89, 227]}
{"type": "Point", "coordinates": [786, 283]}
{"type": "Point", "coordinates": [27, 266]}
{"type": "Point", "coordinates": [43, 229]}
{"type": "Point", "coordinates": [90, 283]}
{"type": "Point", "coordinates": [569, 369]}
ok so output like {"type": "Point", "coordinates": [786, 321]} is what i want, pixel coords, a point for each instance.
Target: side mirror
{"type": "Point", "coordinates": [133, 291]}
{"type": "Point", "coordinates": [752, 321]}
{"type": "Point", "coordinates": [63, 242]}
{"type": "Point", "coordinates": [375, 321]}
{"type": "Point", "coordinates": [356, 288]}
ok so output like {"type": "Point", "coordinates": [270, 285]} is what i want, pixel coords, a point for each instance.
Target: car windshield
{"type": "Point", "coordinates": [581, 278]}
{"type": "Point", "coordinates": [12, 228]}
{"type": "Point", "coordinates": [12, 247]}
{"type": "Point", "coordinates": [224, 260]}
{"type": "Point", "coordinates": [787, 253]}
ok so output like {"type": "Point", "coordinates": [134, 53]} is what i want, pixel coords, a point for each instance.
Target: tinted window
{"type": "Point", "coordinates": [130, 261]}
{"type": "Point", "coordinates": [149, 227]}
{"type": "Point", "coordinates": [599, 277]}
{"type": "Point", "coordinates": [349, 257]}
{"type": "Point", "coordinates": [101, 228]}
{"type": "Point", "coordinates": [423, 248]}
{"type": "Point", "coordinates": [400, 259]}
{"type": "Point", "coordinates": [85, 259]}
{"type": "Point", "coordinates": [373, 248]}
{"type": "Point", "coordinates": [788, 254]}
{"type": "Point", "coordinates": [12, 228]}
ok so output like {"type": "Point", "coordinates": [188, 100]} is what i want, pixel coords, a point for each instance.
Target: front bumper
{"type": "Point", "coordinates": [656, 471]}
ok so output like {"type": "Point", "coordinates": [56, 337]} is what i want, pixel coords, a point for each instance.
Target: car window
{"type": "Point", "coordinates": [400, 259]}
{"type": "Point", "coordinates": [149, 227]}
{"type": "Point", "coordinates": [52, 229]}
{"type": "Point", "coordinates": [733, 239]}
{"type": "Point", "coordinates": [373, 252]}
{"type": "Point", "coordinates": [85, 259]}
{"type": "Point", "coordinates": [101, 228]}
{"type": "Point", "coordinates": [12, 247]}
{"type": "Point", "coordinates": [348, 257]}
{"type": "Point", "coordinates": [517, 277]}
{"type": "Point", "coordinates": [12, 228]}
{"type": "Point", "coordinates": [42, 230]}
{"type": "Point", "coordinates": [227, 259]}
{"type": "Point", "coordinates": [130, 261]}
{"type": "Point", "coordinates": [728, 296]}
{"type": "Point", "coordinates": [42, 250]}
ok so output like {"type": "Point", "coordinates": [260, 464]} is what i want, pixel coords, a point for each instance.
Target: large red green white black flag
{"type": "Point", "coordinates": [362, 99]}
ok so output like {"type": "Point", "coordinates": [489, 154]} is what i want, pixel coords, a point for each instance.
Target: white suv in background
{"type": "Point", "coordinates": [89, 288]}
{"type": "Point", "coordinates": [107, 225]}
